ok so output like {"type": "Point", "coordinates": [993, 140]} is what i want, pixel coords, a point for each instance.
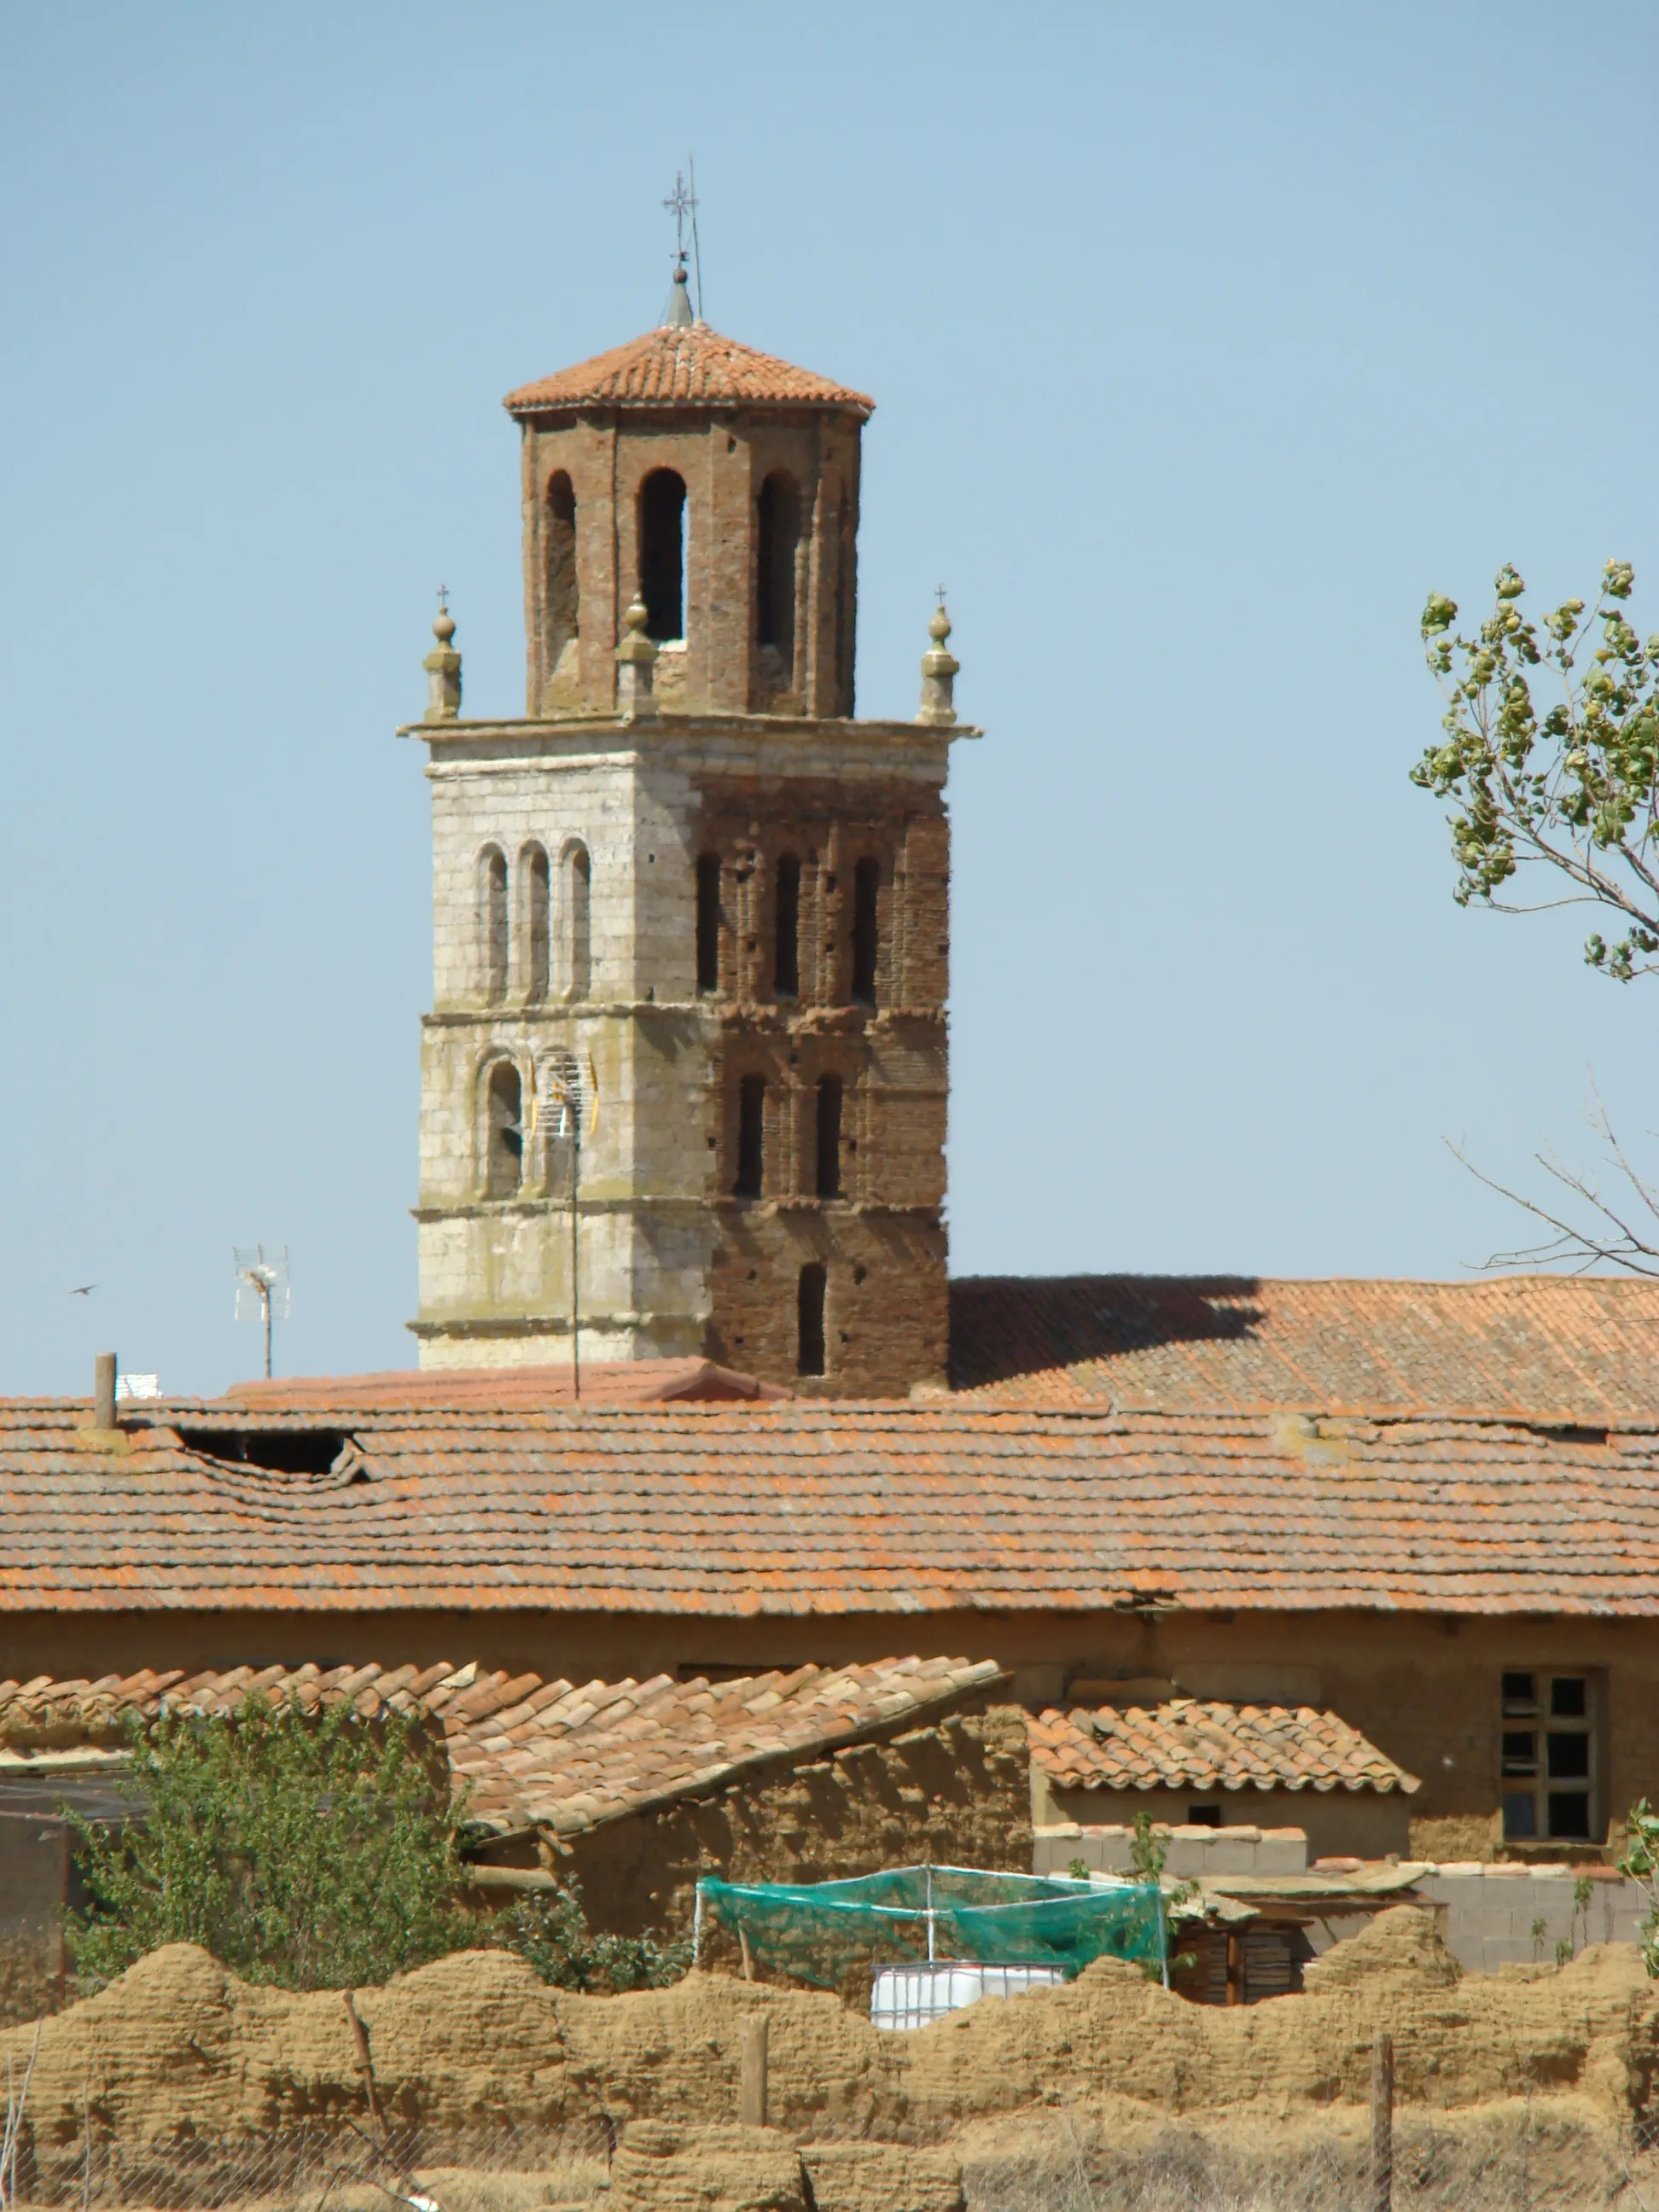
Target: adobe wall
{"type": "Point", "coordinates": [1424, 1689]}
{"type": "Point", "coordinates": [955, 1793]}
{"type": "Point", "coordinates": [180, 2064]}
{"type": "Point", "coordinates": [1338, 1823]}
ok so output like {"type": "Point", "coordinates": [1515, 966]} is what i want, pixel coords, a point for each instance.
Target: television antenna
{"type": "Point", "coordinates": [262, 1287]}
{"type": "Point", "coordinates": [570, 1103]}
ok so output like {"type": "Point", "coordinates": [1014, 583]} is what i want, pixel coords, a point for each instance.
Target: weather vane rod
{"type": "Point", "coordinates": [681, 205]}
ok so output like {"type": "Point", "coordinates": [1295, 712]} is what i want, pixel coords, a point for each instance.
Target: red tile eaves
{"type": "Point", "coordinates": [681, 366]}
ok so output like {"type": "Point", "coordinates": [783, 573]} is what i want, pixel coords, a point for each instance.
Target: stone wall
{"type": "Point", "coordinates": [672, 1262]}
{"type": "Point", "coordinates": [955, 1793]}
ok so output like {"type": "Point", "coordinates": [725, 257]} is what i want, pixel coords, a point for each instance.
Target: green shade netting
{"type": "Point", "coordinates": [815, 1931]}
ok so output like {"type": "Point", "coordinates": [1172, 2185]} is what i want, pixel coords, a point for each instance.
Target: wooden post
{"type": "Point", "coordinates": [365, 2064]}
{"type": "Point", "coordinates": [1382, 2123]}
{"type": "Point", "coordinates": [748, 1955]}
{"type": "Point", "coordinates": [751, 2093]}
{"type": "Point", "coordinates": [1235, 1967]}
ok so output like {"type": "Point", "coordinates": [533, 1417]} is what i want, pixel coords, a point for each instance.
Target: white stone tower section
{"type": "Point", "coordinates": [690, 886]}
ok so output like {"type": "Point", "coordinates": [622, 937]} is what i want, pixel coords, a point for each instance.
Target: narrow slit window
{"type": "Point", "coordinates": [777, 539]}
{"type": "Point", "coordinates": [786, 962]}
{"type": "Point", "coordinates": [809, 1319]}
{"type": "Point", "coordinates": [492, 922]}
{"type": "Point", "coordinates": [709, 923]}
{"type": "Point", "coordinates": [752, 1137]}
{"type": "Point", "coordinates": [533, 876]}
{"type": "Point", "coordinates": [662, 554]}
{"type": "Point", "coordinates": [828, 1145]}
{"type": "Point", "coordinates": [578, 920]}
{"type": "Point", "coordinates": [504, 1136]}
{"type": "Point", "coordinates": [867, 888]}
{"type": "Point", "coordinates": [560, 599]}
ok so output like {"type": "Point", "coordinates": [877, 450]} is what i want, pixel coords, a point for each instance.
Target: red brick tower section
{"type": "Point", "coordinates": [790, 956]}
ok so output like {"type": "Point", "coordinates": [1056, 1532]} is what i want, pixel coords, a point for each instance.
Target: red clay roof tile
{"type": "Point", "coordinates": [590, 1756]}
{"type": "Point", "coordinates": [1583, 1347]}
{"type": "Point", "coordinates": [682, 367]}
{"type": "Point", "coordinates": [1188, 1745]}
{"type": "Point", "coordinates": [837, 1509]}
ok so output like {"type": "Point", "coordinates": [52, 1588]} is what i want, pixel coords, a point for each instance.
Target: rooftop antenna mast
{"type": "Point", "coordinates": [262, 1287]}
{"type": "Point", "coordinates": [681, 205]}
{"type": "Point", "coordinates": [573, 1096]}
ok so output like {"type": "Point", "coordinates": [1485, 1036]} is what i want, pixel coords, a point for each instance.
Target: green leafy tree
{"type": "Point", "coordinates": [314, 1850]}
{"type": "Point", "coordinates": [1550, 755]}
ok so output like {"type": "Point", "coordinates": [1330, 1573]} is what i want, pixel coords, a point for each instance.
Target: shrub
{"type": "Point", "coordinates": [549, 1929]}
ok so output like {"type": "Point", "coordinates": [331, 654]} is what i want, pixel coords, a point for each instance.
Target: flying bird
{"type": "Point", "coordinates": [83, 1290]}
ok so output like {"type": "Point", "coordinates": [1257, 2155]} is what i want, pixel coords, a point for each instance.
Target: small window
{"type": "Point", "coordinates": [662, 554]}
{"type": "Point", "coordinates": [535, 891]}
{"type": "Point", "coordinates": [866, 886]}
{"type": "Point", "coordinates": [579, 922]}
{"type": "Point", "coordinates": [504, 1136]}
{"type": "Point", "coordinates": [786, 957]}
{"type": "Point", "coordinates": [492, 922]}
{"type": "Point", "coordinates": [1548, 1757]}
{"type": "Point", "coordinates": [751, 1137]}
{"type": "Point", "coordinates": [829, 1134]}
{"type": "Point", "coordinates": [709, 923]}
{"type": "Point", "coordinates": [809, 1298]}
{"type": "Point", "coordinates": [1204, 1816]}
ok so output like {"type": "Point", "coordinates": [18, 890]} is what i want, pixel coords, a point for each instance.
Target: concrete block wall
{"type": "Point", "coordinates": [1195, 1853]}
{"type": "Point", "coordinates": [1488, 1910]}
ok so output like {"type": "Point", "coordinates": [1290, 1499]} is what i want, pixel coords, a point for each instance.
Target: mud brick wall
{"type": "Point", "coordinates": [956, 1793]}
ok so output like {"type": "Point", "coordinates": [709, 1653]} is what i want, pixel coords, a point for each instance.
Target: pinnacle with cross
{"type": "Point", "coordinates": [680, 204]}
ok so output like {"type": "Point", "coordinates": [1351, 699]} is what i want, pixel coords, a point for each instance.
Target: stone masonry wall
{"type": "Point", "coordinates": [667, 1267]}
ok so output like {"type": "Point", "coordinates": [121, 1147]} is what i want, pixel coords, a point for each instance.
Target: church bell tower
{"type": "Point", "coordinates": [684, 1082]}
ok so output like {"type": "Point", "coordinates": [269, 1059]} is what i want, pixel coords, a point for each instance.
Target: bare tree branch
{"type": "Point", "coordinates": [1606, 1238]}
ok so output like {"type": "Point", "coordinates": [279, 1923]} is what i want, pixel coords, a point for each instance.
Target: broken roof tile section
{"type": "Point", "coordinates": [1187, 1744]}
{"type": "Point", "coordinates": [677, 367]}
{"type": "Point", "coordinates": [834, 1510]}
{"type": "Point", "coordinates": [1584, 1347]}
{"type": "Point", "coordinates": [556, 1755]}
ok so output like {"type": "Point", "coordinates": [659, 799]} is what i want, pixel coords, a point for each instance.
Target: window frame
{"type": "Point", "coordinates": [1534, 1715]}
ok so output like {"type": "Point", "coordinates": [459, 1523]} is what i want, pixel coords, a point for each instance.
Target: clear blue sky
{"type": "Point", "coordinates": [1206, 340]}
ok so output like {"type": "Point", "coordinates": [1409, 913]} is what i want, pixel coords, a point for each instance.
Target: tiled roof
{"type": "Point", "coordinates": [1583, 1347]}
{"type": "Point", "coordinates": [802, 1509]}
{"type": "Point", "coordinates": [497, 1389]}
{"type": "Point", "coordinates": [551, 1754]}
{"type": "Point", "coordinates": [1186, 1745]}
{"type": "Point", "coordinates": [682, 367]}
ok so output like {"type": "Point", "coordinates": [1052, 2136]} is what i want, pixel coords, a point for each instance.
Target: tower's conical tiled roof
{"type": "Point", "coordinates": [694, 367]}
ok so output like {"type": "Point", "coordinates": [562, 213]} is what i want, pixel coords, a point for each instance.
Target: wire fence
{"type": "Point", "coordinates": [1063, 2160]}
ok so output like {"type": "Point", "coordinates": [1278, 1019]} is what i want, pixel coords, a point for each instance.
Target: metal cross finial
{"type": "Point", "coordinates": [443, 598]}
{"type": "Point", "coordinates": [938, 593]}
{"type": "Point", "coordinates": [680, 204]}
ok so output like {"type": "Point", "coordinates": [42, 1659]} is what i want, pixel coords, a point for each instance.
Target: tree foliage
{"type": "Point", "coordinates": [316, 1849]}
{"type": "Point", "coordinates": [1568, 782]}
{"type": "Point", "coordinates": [1640, 1863]}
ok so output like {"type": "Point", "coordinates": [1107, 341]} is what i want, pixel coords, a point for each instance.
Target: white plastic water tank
{"type": "Point", "coordinates": [910, 1997]}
